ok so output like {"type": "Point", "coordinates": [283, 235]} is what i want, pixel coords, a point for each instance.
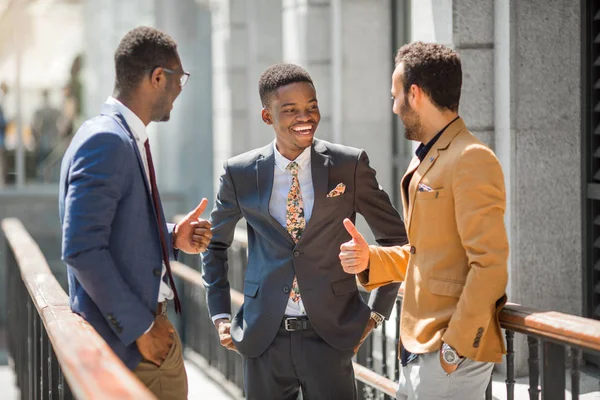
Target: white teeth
{"type": "Point", "coordinates": [302, 129]}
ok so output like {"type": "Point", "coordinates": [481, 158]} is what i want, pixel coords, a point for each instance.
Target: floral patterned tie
{"type": "Point", "coordinates": [294, 218]}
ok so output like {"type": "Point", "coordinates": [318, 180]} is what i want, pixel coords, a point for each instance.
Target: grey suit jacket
{"type": "Point", "coordinates": [331, 298]}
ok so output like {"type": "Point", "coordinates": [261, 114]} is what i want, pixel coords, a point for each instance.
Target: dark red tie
{"type": "Point", "coordinates": [161, 225]}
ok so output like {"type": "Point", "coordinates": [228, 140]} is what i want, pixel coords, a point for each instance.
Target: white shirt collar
{"type": "Point", "coordinates": [135, 123]}
{"type": "Point", "coordinates": [303, 159]}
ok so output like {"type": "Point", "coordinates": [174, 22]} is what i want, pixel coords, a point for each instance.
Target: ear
{"type": "Point", "coordinates": [415, 95]}
{"type": "Point", "coordinates": [266, 116]}
{"type": "Point", "coordinates": [157, 77]}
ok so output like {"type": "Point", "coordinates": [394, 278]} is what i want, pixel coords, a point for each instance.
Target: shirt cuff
{"type": "Point", "coordinates": [148, 330]}
{"type": "Point", "coordinates": [219, 316]}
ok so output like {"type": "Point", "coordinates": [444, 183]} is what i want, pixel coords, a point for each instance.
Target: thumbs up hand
{"type": "Point", "coordinates": [354, 254]}
{"type": "Point", "coordinates": [192, 234]}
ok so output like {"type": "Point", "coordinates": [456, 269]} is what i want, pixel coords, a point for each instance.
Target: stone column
{"type": "Point", "coordinates": [230, 81]}
{"type": "Point", "coordinates": [184, 145]}
{"type": "Point", "coordinates": [307, 42]}
{"type": "Point", "coordinates": [264, 38]}
{"type": "Point", "coordinates": [473, 39]}
{"type": "Point", "coordinates": [361, 81]}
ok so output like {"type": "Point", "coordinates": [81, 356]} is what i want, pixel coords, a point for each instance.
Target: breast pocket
{"type": "Point", "coordinates": [434, 194]}
{"type": "Point", "coordinates": [337, 200]}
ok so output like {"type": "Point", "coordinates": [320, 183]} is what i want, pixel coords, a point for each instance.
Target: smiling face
{"type": "Point", "coordinates": [294, 113]}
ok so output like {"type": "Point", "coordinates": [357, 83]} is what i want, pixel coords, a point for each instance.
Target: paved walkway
{"type": "Point", "coordinates": [589, 388]}
{"type": "Point", "coordinates": [7, 380]}
{"type": "Point", "coordinates": [203, 387]}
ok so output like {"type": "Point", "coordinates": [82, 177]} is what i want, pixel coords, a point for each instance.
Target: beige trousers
{"type": "Point", "coordinates": [169, 381]}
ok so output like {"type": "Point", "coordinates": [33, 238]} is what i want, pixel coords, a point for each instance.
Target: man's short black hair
{"type": "Point", "coordinates": [141, 50]}
{"type": "Point", "coordinates": [436, 69]}
{"type": "Point", "coordinates": [279, 75]}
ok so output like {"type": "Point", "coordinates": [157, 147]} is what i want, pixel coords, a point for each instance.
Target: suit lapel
{"type": "Point", "coordinates": [416, 179]}
{"type": "Point", "coordinates": [430, 158]}
{"type": "Point", "coordinates": [319, 167]}
{"type": "Point", "coordinates": [414, 163]}
{"type": "Point", "coordinates": [110, 111]}
{"type": "Point", "coordinates": [265, 166]}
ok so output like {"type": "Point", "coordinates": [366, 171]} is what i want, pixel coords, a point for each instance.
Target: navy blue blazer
{"type": "Point", "coordinates": [110, 236]}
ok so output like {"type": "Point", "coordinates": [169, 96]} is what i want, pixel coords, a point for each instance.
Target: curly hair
{"type": "Point", "coordinates": [436, 69]}
{"type": "Point", "coordinates": [279, 75]}
{"type": "Point", "coordinates": [141, 50]}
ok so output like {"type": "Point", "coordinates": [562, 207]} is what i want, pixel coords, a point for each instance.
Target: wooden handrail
{"type": "Point", "coordinates": [552, 325]}
{"type": "Point", "coordinates": [88, 364]}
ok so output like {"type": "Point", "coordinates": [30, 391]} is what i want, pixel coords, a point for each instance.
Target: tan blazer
{"type": "Point", "coordinates": [455, 265]}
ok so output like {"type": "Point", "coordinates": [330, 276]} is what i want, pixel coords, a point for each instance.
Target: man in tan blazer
{"type": "Point", "coordinates": [455, 265]}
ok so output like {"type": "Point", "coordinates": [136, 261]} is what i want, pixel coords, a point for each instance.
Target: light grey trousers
{"type": "Point", "coordinates": [424, 379]}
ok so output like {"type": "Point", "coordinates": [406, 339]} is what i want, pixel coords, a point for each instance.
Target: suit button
{"type": "Point", "coordinates": [296, 254]}
{"type": "Point", "coordinates": [156, 272]}
{"type": "Point", "coordinates": [413, 250]}
{"type": "Point", "coordinates": [286, 289]}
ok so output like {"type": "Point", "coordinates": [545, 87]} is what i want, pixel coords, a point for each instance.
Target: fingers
{"type": "Point", "coordinates": [197, 212]}
{"type": "Point", "coordinates": [350, 246]}
{"type": "Point", "coordinates": [156, 361]}
{"type": "Point", "coordinates": [201, 223]}
{"type": "Point", "coordinates": [356, 236]}
{"type": "Point", "coordinates": [202, 232]}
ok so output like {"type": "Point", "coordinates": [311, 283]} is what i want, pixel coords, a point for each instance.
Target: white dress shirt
{"type": "Point", "coordinates": [139, 133]}
{"type": "Point", "coordinates": [282, 181]}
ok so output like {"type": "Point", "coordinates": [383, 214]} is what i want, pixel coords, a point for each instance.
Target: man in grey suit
{"type": "Point", "coordinates": [303, 318]}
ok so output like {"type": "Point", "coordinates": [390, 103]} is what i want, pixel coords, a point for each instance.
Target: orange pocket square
{"type": "Point", "coordinates": [338, 191]}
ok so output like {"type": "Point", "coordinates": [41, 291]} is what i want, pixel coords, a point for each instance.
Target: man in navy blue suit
{"type": "Point", "coordinates": [116, 242]}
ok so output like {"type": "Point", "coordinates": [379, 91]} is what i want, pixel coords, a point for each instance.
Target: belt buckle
{"type": "Point", "coordinates": [287, 324]}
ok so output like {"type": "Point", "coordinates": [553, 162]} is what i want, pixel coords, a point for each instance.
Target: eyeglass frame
{"type": "Point", "coordinates": [184, 77]}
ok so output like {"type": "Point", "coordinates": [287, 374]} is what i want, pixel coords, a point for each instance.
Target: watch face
{"type": "Point", "coordinates": [450, 356]}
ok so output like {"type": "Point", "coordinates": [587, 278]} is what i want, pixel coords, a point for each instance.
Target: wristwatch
{"type": "Point", "coordinates": [378, 318]}
{"type": "Point", "coordinates": [450, 355]}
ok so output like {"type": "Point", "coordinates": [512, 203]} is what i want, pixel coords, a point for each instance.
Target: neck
{"type": "Point", "coordinates": [130, 100]}
{"type": "Point", "coordinates": [432, 125]}
{"type": "Point", "coordinates": [290, 154]}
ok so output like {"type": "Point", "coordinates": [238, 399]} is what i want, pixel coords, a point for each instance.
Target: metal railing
{"type": "Point", "coordinates": [550, 336]}
{"type": "Point", "coordinates": [54, 352]}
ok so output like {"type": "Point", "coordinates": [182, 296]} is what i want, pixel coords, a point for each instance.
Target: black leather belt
{"type": "Point", "coordinates": [293, 324]}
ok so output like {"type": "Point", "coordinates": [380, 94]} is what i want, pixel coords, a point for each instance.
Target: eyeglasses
{"type": "Point", "coordinates": [184, 78]}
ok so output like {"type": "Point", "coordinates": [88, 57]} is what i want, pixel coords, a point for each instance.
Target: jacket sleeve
{"type": "Point", "coordinates": [374, 204]}
{"type": "Point", "coordinates": [174, 255]}
{"type": "Point", "coordinates": [224, 217]}
{"type": "Point", "coordinates": [478, 188]}
{"type": "Point", "coordinates": [386, 265]}
{"type": "Point", "coordinates": [94, 188]}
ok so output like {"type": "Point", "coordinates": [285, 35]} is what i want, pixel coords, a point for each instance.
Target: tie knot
{"type": "Point", "coordinates": [293, 167]}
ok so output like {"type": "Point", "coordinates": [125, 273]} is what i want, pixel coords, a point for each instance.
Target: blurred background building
{"type": "Point", "coordinates": [529, 92]}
